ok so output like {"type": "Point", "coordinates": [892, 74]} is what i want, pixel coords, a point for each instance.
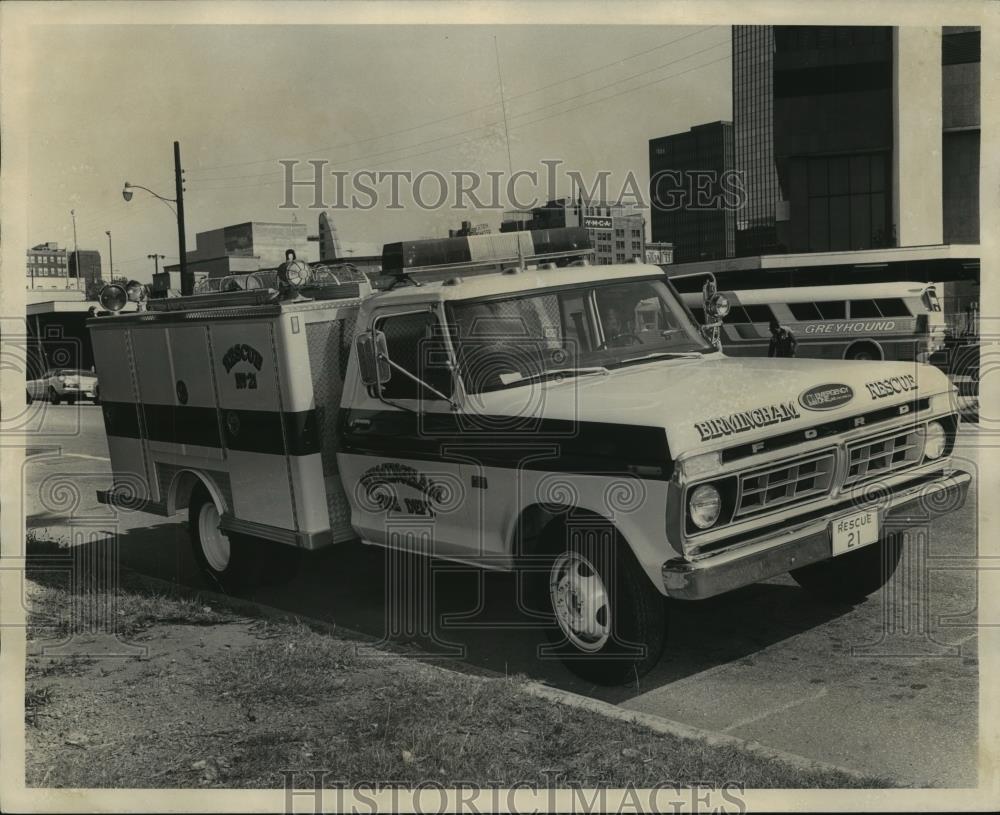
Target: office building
{"type": "Point", "coordinates": [468, 228]}
{"type": "Point", "coordinates": [960, 143]}
{"type": "Point", "coordinates": [47, 268]}
{"type": "Point", "coordinates": [617, 231]}
{"type": "Point", "coordinates": [688, 206]}
{"type": "Point", "coordinates": [85, 264]}
{"type": "Point", "coordinates": [753, 137]}
{"type": "Point", "coordinates": [660, 253]}
{"type": "Point", "coordinates": [246, 247]}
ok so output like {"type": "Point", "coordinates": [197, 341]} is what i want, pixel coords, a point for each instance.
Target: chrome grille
{"type": "Point", "coordinates": [874, 457]}
{"type": "Point", "coordinates": [789, 482]}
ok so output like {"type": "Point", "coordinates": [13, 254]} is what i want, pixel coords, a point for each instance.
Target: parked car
{"type": "Point", "coordinates": [59, 384]}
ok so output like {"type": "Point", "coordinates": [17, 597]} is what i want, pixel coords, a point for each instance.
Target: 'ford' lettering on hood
{"type": "Point", "coordinates": [826, 397]}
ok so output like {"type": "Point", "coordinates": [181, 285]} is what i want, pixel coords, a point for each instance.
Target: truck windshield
{"type": "Point", "coordinates": [511, 341]}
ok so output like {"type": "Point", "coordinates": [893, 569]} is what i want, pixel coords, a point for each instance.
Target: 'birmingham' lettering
{"type": "Point", "coordinates": [746, 420]}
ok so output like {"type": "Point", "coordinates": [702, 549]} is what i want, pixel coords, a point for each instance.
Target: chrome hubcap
{"type": "Point", "coordinates": [214, 544]}
{"type": "Point", "coordinates": [580, 602]}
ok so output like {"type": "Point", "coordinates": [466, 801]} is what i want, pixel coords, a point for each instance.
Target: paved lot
{"type": "Point", "coordinates": [889, 686]}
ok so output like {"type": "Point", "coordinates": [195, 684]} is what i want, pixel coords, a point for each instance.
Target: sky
{"type": "Point", "coordinates": [111, 100]}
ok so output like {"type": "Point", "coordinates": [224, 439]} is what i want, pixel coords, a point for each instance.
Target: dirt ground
{"type": "Point", "coordinates": [191, 694]}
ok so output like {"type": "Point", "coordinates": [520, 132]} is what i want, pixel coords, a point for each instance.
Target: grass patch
{"type": "Point", "coordinates": [235, 705]}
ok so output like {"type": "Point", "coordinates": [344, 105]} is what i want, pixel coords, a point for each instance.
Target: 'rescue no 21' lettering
{"type": "Point", "coordinates": [746, 420]}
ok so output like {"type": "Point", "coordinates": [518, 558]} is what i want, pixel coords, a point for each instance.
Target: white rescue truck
{"type": "Point", "coordinates": [574, 424]}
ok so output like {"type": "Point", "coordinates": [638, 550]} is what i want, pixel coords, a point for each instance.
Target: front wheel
{"type": "Point", "coordinates": [850, 578]}
{"type": "Point", "coordinates": [53, 396]}
{"type": "Point", "coordinates": [609, 623]}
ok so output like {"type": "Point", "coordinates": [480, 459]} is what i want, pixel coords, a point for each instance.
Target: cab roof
{"type": "Point", "coordinates": [472, 285]}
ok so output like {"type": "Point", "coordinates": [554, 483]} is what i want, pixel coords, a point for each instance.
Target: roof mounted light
{"type": "Point", "coordinates": [113, 297]}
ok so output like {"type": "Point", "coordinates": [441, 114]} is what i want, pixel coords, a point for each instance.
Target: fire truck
{"type": "Point", "coordinates": [568, 422]}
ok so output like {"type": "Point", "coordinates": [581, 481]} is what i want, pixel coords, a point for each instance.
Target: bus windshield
{"type": "Point", "coordinates": [506, 342]}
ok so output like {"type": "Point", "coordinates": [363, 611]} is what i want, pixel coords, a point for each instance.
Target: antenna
{"type": "Point", "coordinates": [503, 107]}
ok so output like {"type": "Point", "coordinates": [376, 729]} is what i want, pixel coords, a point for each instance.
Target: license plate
{"type": "Point", "coordinates": [854, 531]}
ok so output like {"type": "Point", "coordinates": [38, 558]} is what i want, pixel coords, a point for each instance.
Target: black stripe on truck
{"type": "Point", "coordinates": [509, 442]}
{"type": "Point", "coordinates": [251, 431]}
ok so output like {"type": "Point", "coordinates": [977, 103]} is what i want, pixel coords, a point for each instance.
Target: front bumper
{"type": "Point", "coordinates": [808, 542]}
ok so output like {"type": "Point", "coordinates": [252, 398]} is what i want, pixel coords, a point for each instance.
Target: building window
{"type": "Point", "coordinates": [847, 202]}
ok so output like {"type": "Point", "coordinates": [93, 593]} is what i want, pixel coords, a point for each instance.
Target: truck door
{"type": "Point", "coordinates": [409, 491]}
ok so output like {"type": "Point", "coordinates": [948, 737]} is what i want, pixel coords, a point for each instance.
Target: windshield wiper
{"type": "Point", "coordinates": [552, 372]}
{"type": "Point", "coordinates": [661, 355]}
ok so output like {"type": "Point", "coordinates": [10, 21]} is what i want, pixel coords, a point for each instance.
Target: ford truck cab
{"type": "Point", "coordinates": [575, 425]}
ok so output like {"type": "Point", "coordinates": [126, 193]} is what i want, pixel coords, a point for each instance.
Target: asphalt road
{"type": "Point", "coordinates": [889, 686]}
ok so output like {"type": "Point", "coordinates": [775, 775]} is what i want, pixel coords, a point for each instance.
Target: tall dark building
{"type": "Point", "coordinates": [960, 143]}
{"type": "Point", "coordinates": [85, 263]}
{"type": "Point", "coordinates": [753, 136]}
{"type": "Point", "coordinates": [833, 136]}
{"type": "Point", "coordinates": [701, 227]}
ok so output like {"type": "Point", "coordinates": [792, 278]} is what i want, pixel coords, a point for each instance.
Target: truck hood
{"type": "Point", "coordinates": [717, 401]}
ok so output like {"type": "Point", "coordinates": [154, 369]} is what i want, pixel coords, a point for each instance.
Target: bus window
{"type": "Point", "coordinates": [759, 314]}
{"type": "Point", "coordinates": [832, 309]}
{"type": "Point", "coordinates": [862, 309]}
{"type": "Point", "coordinates": [805, 311]}
{"type": "Point", "coordinates": [893, 307]}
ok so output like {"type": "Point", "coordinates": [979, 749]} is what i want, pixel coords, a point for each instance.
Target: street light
{"type": "Point", "coordinates": [156, 261]}
{"type": "Point", "coordinates": [111, 257]}
{"type": "Point", "coordinates": [187, 280]}
{"type": "Point", "coordinates": [76, 252]}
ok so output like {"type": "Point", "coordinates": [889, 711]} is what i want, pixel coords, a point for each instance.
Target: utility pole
{"type": "Point", "coordinates": [156, 262]}
{"type": "Point", "coordinates": [76, 251]}
{"type": "Point", "coordinates": [187, 279]}
{"type": "Point", "coordinates": [111, 257]}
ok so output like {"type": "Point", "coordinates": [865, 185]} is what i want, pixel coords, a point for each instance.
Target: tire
{"type": "Point", "coordinates": [70, 400]}
{"type": "Point", "coordinates": [27, 398]}
{"type": "Point", "coordinates": [864, 352]}
{"type": "Point", "coordinates": [608, 622]}
{"type": "Point", "coordinates": [852, 577]}
{"type": "Point", "coordinates": [53, 396]}
{"type": "Point", "coordinates": [234, 563]}
{"type": "Point", "coordinates": [97, 395]}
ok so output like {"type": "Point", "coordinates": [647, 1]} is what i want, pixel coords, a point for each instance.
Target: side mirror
{"type": "Point", "coordinates": [717, 306]}
{"type": "Point", "coordinates": [372, 354]}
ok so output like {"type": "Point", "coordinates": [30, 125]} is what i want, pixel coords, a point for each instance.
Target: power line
{"type": "Point", "coordinates": [470, 141]}
{"type": "Point", "coordinates": [460, 114]}
{"type": "Point", "coordinates": [280, 175]}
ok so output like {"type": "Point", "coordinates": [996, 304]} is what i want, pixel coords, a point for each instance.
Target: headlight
{"type": "Point", "coordinates": [704, 506]}
{"type": "Point", "coordinates": [935, 440]}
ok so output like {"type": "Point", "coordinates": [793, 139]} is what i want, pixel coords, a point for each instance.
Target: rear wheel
{"type": "Point", "coordinates": [609, 622]}
{"type": "Point", "coordinates": [27, 397]}
{"type": "Point", "coordinates": [863, 351]}
{"type": "Point", "coordinates": [53, 396]}
{"type": "Point", "coordinates": [231, 562]}
{"type": "Point", "coordinates": [852, 577]}
{"type": "Point", "coordinates": [97, 395]}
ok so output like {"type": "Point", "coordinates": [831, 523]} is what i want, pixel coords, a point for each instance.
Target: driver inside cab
{"type": "Point", "coordinates": [618, 333]}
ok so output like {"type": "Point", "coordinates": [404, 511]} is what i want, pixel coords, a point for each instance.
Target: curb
{"type": "Point", "coordinates": [669, 727]}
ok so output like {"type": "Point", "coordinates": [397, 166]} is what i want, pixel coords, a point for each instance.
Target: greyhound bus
{"type": "Point", "coordinates": [873, 321]}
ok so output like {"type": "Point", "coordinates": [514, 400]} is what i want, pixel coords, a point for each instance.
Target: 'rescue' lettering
{"type": "Point", "coordinates": [241, 352]}
{"type": "Point", "coordinates": [881, 388]}
{"type": "Point", "coordinates": [746, 420]}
